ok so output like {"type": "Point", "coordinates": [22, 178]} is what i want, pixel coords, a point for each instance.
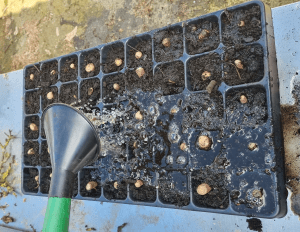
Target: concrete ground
{"type": "Point", "coordinates": [35, 30]}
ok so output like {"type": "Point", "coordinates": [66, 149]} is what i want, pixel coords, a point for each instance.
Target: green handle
{"type": "Point", "coordinates": [57, 215]}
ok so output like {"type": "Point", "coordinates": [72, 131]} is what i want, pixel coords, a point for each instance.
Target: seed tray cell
{"type": "Point", "coordinates": [196, 117]}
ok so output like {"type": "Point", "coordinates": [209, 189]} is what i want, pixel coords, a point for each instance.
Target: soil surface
{"type": "Point", "coordinates": [109, 93]}
{"type": "Point", "coordinates": [29, 179]}
{"type": "Point", "coordinates": [49, 73]}
{"type": "Point", "coordinates": [175, 50]}
{"type": "Point", "coordinates": [90, 57]}
{"type": "Point", "coordinates": [85, 88]}
{"type": "Point", "coordinates": [208, 63]}
{"type": "Point", "coordinates": [45, 181]}
{"type": "Point", "coordinates": [67, 73]}
{"type": "Point", "coordinates": [144, 193]}
{"type": "Point", "coordinates": [143, 45]}
{"type": "Point", "coordinates": [209, 42]}
{"type": "Point", "coordinates": [111, 193]}
{"type": "Point", "coordinates": [110, 54]}
{"type": "Point", "coordinates": [32, 160]}
{"type": "Point", "coordinates": [45, 101]}
{"type": "Point", "coordinates": [252, 61]}
{"type": "Point", "coordinates": [31, 84]}
{"type": "Point", "coordinates": [169, 78]}
{"type": "Point", "coordinates": [86, 177]}
{"type": "Point", "coordinates": [218, 197]}
{"type": "Point", "coordinates": [134, 82]}
{"type": "Point", "coordinates": [68, 93]}
{"type": "Point", "coordinates": [29, 134]}
{"type": "Point", "coordinates": [232, 33]}
{"type": "Point", "coordinates": [32, 102]}
{"type": "Point", "coordinates": [45, 156]}
{"type": "Point", "coordinates": [252, 113]}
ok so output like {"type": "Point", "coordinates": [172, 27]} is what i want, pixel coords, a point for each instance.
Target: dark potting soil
{"type": "Point", "coordinates": [169, 78]}
{"type": "Point", "coordinates": [32, 84]}
{"type": "Point", "coordinates": [90, 57]}
{"type": "Point", "coordinates": [84, 91]}
{"type": "Point", "coordinates": [209, 42]}
{"type": "Point", "coordinates": [68, 93]}
{"type": "Point", "coordinates": [31, 183]}
{"type": "Point", "coordinates": [29, 134]}
{"type": "Point", "coordinates": [254, 224]}
{"type": "Point", "coordinates": [175, 50]}
{"type": "Point", "coordinates": [32, 160]}
{"type": "Point", "coordinates": [45, 101]}
{"type": "Point", "coordinates": [144, 193]}
{"type": "Point", "coordinates": [233, 34]}
{"type": "Point", "coordinates": [86, 176]}
{"type": "Point", "coordinates": [196, 67]}
{"type": "Point", "coordinates": [113, 52]}
{"type": "Point", "coordinates": [134, 82]}
{"type": "Point", "coordinates": [109, 93]}
{"type": "Point", "coordinates": [202, 110]}
{"type": "Point", "coordinates": [49, 73]}
{"type": "Point", "coordinates": [218, 197]}
{"type": "Point", "coordinates": [45, 180]}
{"type": "Point", "coordinates": [67, 73]}
{"type": "Point", "coordinates": [32, 102]}
{"type": "Point", "coordinates": [143, 45]}
{"type": "Point", "coordinates": [170, 195]}
{"type": "Point", "coordinates": [111, 193]}
{"type": "Point", "coordinates": [252, 113]}
{"type": "Point", "coordinates": [252, 58]}
{"type": "Point", "coordinates": [45, 156]}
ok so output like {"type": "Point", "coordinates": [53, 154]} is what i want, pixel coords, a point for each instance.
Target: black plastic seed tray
{"type": "Point", "coordinates": [243, 161]}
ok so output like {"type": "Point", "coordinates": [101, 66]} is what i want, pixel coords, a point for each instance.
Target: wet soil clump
{"type": "Point", "coordinates": [113, 52]}
{"type": "Point", "coordinates": [175, 50]}
{"type": "Point", "coordinates": [90, 91]}
{"type": "Point", "coordinates": [209, 42]}
{"type": "Point", "coordinates": [143, 45]}
{"type": "Point", "coordinates": [68, 93]}
{"type": "Point", "coordinates": [48, 100]}
{"type": "Point", "coordinates": [236, 32]}
{"type": "Point", "coordinates": [111, 193]}
{"type": "Point", "coordinates": [45, 156]}
{"type": "Point", "coordinates": [169, 78]}
{"type": "Point", "coordinates": [90, 57]}
{"type": "Point", "coordinates": [254, 224]}
{"type": "Point", "coordinates": [31, 159]}
{"type": "Point", "coordinates": [144, 193]}
{"type": "Point", "coordinates": [252, 59]}
{"type": "Point", "coordinates": [29, 134]}
{"type": "Point", "coordinates": [32, 84]}
{"type": "Point", "coordinates": [88, 175]}
{"type": "Point", "coordinates": [113, 86]}
{"type": "Point", "coordinates": [198, 67]}
{"type": "Point", "coordinates": [69, 69]}
{"type": "Point", "coordinates": [32, 102]}
{"type": "Point", "coordinates": [49, 73]}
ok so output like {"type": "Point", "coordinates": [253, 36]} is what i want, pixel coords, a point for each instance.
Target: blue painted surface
{"type": "Point", "coordinates": [108, 216]}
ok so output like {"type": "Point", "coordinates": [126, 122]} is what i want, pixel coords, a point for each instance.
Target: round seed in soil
{"type": "Point", "coordinates": [257, 193]}
{"type": "Point", "coordinates": [204, 142]}
{"type": "Point", "coordinates": [135, 145]}
{"type": "Point", "coordinates": [166, 42]}
{"type": "Point", "coordinates": [118, 62]}
{"type": "Point", "coordinates": [52, 72]}
{"type": "Point", "coordinates": [242, 23]}
{"type": "Point", "coordinates": [50, 95]}
{"type": "Point", "coordinates": [205, 75]}
{"type": "Point", "coordinates": [48, 150]}
{"type": "Point", "coordinates": [139, 116]}
{"type": "Point", "coordinates": [31, 76]}
{"type": "Point", "coordinates": [30, 151]}
{"type": "Point", "coordinates": [138, 183]}
{"type": "Point", "coordinates": [238, 64]}
{"type": "Point", "coordinates": [138, 55]}
{"type": "Point", "coordinates": [90, 91]}
{"type": "Point", "coordinates": [183, 146]}
{"type": "Point", "coordinates": [33, 127]}
{"type": "Point", "coordinates": [140, 72]}
{"type": "Point", "coordinates": [203, 189]}
{"type": "Point", "coordinates": [243, 99]}
{"type": "Point", "coordinates": [204, 33]}
{"type": "Point", "coordinates": [91, 185]}
{"type": "Point", "coordinates": [252, 146]}
{"type": "Point", "coordinates": [173, 111]}
{"type": "Point", "coordinates": [116, 185]}
{"type": "Point", "coordinates": [89, 67]}
{"type": "Point", "coordinates": [36, 178]}
{"type": "Point", "coordinates": [72, 66]}
{"type": "Point", "coordinates": [116, 86]}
